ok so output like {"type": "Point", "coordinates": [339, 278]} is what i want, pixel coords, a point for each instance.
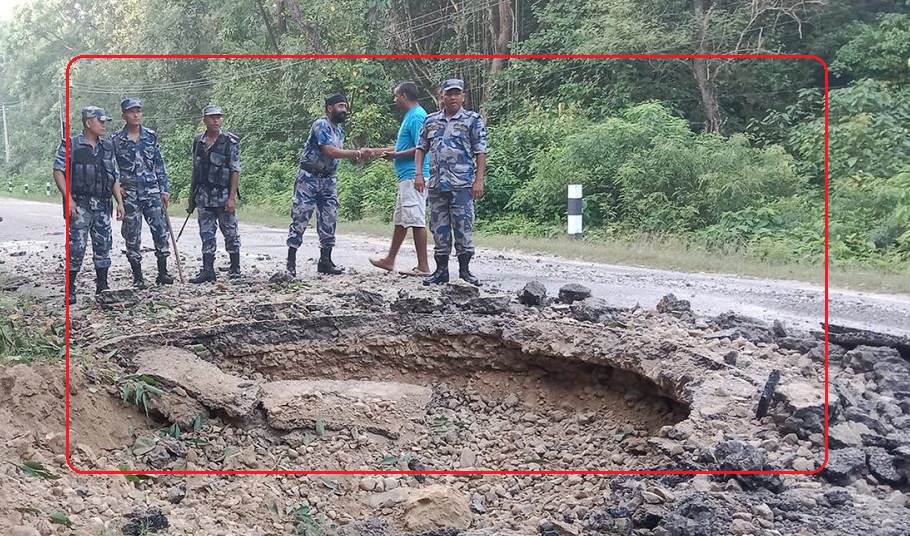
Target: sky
{"type": "Point", "coordinates": [7, 6]}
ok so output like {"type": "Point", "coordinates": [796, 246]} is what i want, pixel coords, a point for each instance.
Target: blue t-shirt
{"type": "Point", "coordinates": [408, 135]}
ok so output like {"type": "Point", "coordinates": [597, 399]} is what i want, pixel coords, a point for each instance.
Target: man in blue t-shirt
{"type": "Point", "coordinates": [410, 204]}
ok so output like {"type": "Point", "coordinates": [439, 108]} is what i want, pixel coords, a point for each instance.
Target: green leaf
{"type": "Point", "coordinates": [35, 469]}
{"type": "Point", "coordinates": [28, 510]}
{"type": "Point", "coordinates": [144, 445]}
{"type": "Point", "coordinates": [229, 451]}
{"type": "Point", "coordinates": [320, 427]}
{"type": "Point", "coordinates": [390, 460]}
{"type": "Point", "coordinates": [197, 423]}
{"type": "Point", "coordinates": [619, 437]}
{"type": "Point", "coordinates": [59, 518]}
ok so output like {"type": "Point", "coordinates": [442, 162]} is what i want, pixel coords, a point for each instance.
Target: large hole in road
{"type": "Point", "coordinates": [380, 392]}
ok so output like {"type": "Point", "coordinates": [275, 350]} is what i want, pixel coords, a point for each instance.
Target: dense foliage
{"type": "Point", "coordinates": [723, 153]}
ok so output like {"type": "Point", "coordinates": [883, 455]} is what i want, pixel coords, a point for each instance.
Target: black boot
{"type": "Point", "coordinates": [441, 275]}
{"type": "Point", "coordinates": [138, 280]}
{"type": "Point", "coordinates": [234, 270]}
{"type": "Point", "coordinates": [208, 269]}
{"type": "Point", "coordinates": [71, 297]}
{"type": "Point", "coordinates": [325, 265]}
{"type": "Point", "coordinates": [292, 262]}
{"type": "Point", "coordinates": [463, 260]}
{"type": "Point", "coordinates": [163, 278]}
{"type": "Point", "coordinates": [100, 280]}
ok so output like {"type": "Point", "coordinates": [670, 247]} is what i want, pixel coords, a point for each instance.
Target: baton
{"type": "Point", "coordinates": [183, 227]}
{"type": "Point", "coordinates": [174, 242]}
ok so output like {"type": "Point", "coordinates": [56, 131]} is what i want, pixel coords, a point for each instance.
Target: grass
{"type": "Point", "coordinates": [642, 252]}
{"type": "Point", "coordinates": [29, 331]}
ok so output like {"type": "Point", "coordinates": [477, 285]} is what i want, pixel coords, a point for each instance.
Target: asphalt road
{"type": "Point", "coordinates": [33, 227]}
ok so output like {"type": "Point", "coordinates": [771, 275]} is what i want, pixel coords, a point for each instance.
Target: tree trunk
{"type": "Point", "coordinates": [700, 69]}
{"type": "Point", "coordinates": [501, 45]}
{"type": "Point", "coordinates": [269, 33]}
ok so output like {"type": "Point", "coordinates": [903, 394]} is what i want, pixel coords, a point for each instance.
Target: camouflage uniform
{"type": "Point", "coordinates": [212, 167]}
{"type": "Point", "coordinates": [143, 179]}
{"type": "Point", "coordinates": [93, 171]}
{"type": "Point", "coordinates": [316, 186]}
{"type": "Point", "coordinates": [451, 145]}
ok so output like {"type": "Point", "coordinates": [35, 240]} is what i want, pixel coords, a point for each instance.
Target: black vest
{"type": "Point", "coordinates": [92, 175]}
{"type": "Point", "coordinates": [214, 170]}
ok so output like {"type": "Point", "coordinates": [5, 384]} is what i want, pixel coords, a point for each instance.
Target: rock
{"type": "Point", "coordinates": [368, 527]}
{"type": "Point", "coordinates": [651, 498]}
{"type": "Point", "coordinates": [882, 466]}
{"type": "Point", "coordinates": [460, 293]}
{"type": "Point", "coordinates": [902, 461]}
{"type": "Point", "coordinates": [388, 498]}
{"type": "Point", "coordinates": [731, 357]}
{"type": "Point", "coordinates": [737, 456]}
{"type": "Point", "coordinates": [437, 506]}
{"type": "Point", "coordinates": [117, 299]}
{"type": "Point", "coordinates": [343, 404]}
{"type": "Point", "coordinates": [467, 458]}
{"type": "Point", "coordinates": [158, 457]}
{"type": "Point", "coordinates": [591, 310]}
{"type": "Point", "coordinates": [22, 530]}
{"type": "Point", "coordinates": [847, 434]}
{"type": "Point", "coordinates": [144, 521]}
{"type": "Point", "coordinates": [669, 304]}
{"type": "Point", "coordinates": [838, 497]}
{"type": "Point", "coordinates": [778, 329]}
{"type": "Point", "coordinates": [800, 408]}
{"type": "Point", "coordinates": [176, 494]}
{"type": "Point", "coordinates": [280, 278]}
{"type": "Point", "coordinates": [557, 528]}
{"type": "Point", "coordinates": [864, 358]}
{"type": "Point", "coordinates": [489, 305]}
{"type": "Point", "coordinates": [573, 292]}
{"type": "Point", "coordinates": [741, 527]}
{"type": "Point", "coordinates": [201, 380]}
{"type": "Point", "coordinates": [764, 512]}
{"type": "Point", "coordinates": [534, 293]}
{"type": "Point", "coordinates": [697, 515]}
{"type": "Point", "coordinates": [477, 504]}
{"type": "Point", "coordinates": [844, 466]}
{"type": "Point", "coordinates": [416, 305]}
{"type": "Point", "coordinates": [368, 484]}
{"type": "Point", "coordinates": [368, 300]}
{"type": "Point", "coordinates": [892, 375]}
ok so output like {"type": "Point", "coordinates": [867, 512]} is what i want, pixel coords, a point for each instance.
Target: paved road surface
{"type": "Point", "coordinates": [31, 226]}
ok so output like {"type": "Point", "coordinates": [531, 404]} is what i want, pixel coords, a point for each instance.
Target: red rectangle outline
{"type": "Point", "coordinates": [448, 56]}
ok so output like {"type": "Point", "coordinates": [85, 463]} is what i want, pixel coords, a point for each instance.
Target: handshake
{"type": "Point", "coordinates": [370, 154]}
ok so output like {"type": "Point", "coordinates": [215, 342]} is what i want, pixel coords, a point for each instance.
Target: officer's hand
{"type": "Point", "coordinates": [419, 184]}
{"type": "Point", "coordinates": [120, 213]}
{"type": "Point", "coordinates": [231, 205]}
{"type": "Point", "coordinates": [389, 155]}
{"type": "Point", "coordinates": [165, 200]}
{"type": "Point", "coordinates": [72, 208]}
{"type": "Point", "coordinates": [477, 190]}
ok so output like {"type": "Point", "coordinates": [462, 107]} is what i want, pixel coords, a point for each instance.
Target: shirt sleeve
{"type": "Point", "coordinates": [323, 133]}
{"type": "Point", "coordinates": [414, 128]}
{"type": "Point", "coordinates": [478, 136]}
{"type": "Point", "coordinates": [423, 142]}
{"type": "Point", "coordinates": [160, 170]}
{"type": "Point", "coordinates": [235, 157]}
{"type": "Point", "coordinates": [60, 157]}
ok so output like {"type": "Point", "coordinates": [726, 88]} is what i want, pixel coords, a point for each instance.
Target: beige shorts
{"type": "Point", "coordinates": [410, 206]}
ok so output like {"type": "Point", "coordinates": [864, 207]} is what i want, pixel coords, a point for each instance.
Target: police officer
{"type": "Point", "coordinates": [454, 138]}
{"type": "Point", "coordinates": [93, 178]}
{"type": "Point", "coordinates": [143, 180]}
{"type": "Point", "coordinates": [216, 177]}
{"type": "Point", "coordinates": [316, 185]}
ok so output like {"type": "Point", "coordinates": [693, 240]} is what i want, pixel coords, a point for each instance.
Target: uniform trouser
{"type": "Point", "coordinates": [94, 222]}
{"type": "Point", "coordinates": [451, 213]}
{"type": "Point", "coordinates": [134, 210]}
{"type": "Point", "coordinates": [312, 193]}
{"type": "Point", "coordinates": [210, 219]}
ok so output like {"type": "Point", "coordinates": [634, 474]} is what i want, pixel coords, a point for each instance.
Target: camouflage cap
{"type": "Point", "coordinates": [96, 112]}
{"type": "Point", "coordinates": [131, 102]}
{"type": "Point", "coordinates": [212, 109]}
{"type": "Point", "coordinates": [453, 83]}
